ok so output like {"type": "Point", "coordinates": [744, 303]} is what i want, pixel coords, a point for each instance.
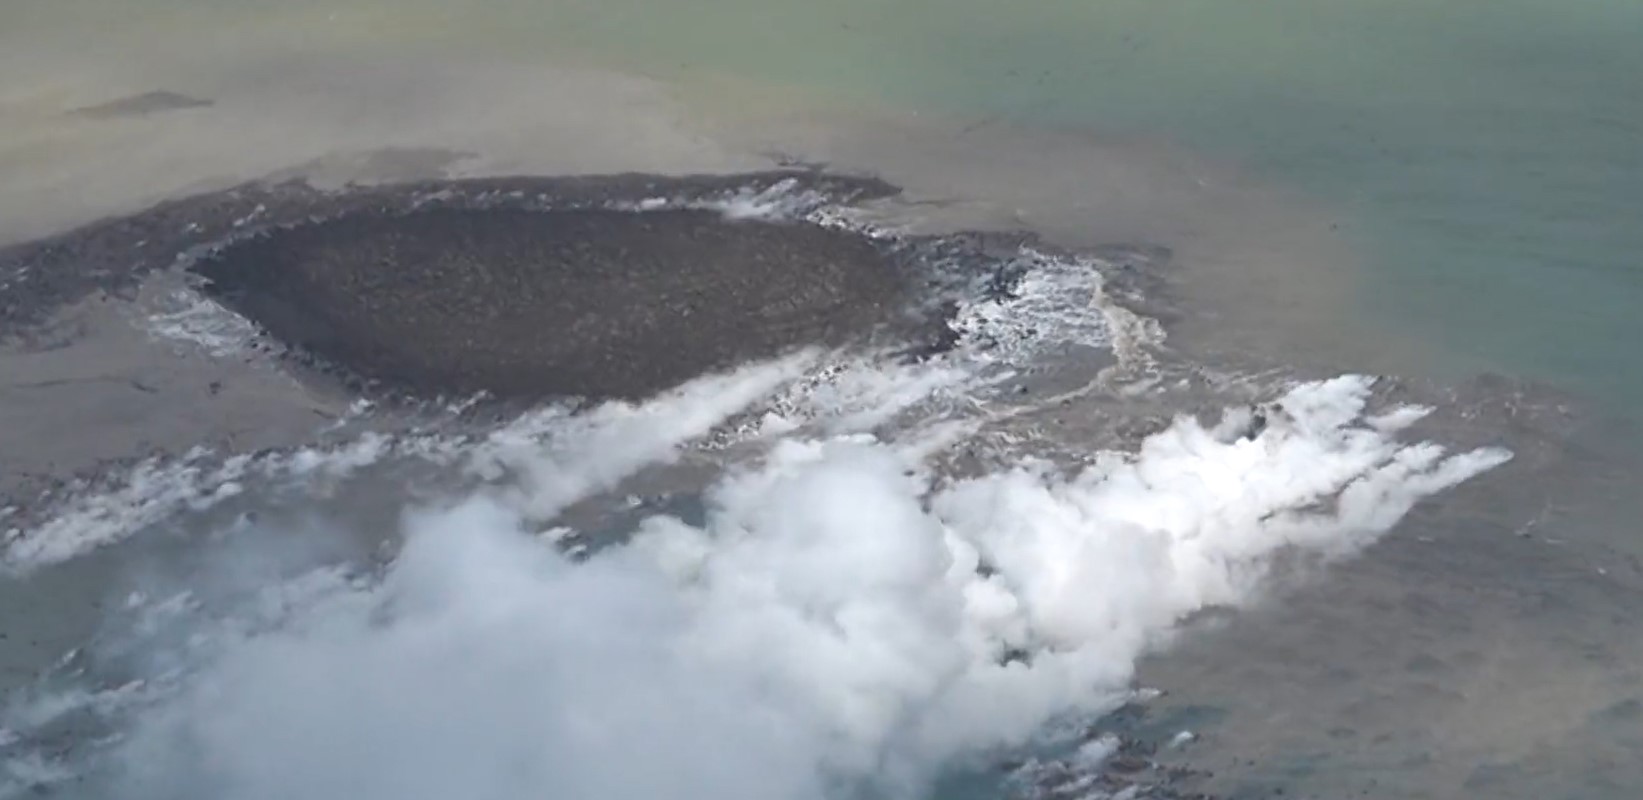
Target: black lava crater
{"type": "Point", "coordinates": [525, 287]}
{"type": "Point", "coordinates": [590, 302]}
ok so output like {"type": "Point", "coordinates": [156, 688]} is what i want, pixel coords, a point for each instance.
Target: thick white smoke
{"type": "Point", "coordinates": [845, 621]}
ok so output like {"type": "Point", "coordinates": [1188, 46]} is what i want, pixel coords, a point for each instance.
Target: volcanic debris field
{"type": "Point", "coordinates": [520, 288]}
{"type": "Point", "coordinates": [534, 288]}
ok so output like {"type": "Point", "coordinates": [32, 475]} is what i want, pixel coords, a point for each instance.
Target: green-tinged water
{"type": "Point", "coordinates": [1487, 157]}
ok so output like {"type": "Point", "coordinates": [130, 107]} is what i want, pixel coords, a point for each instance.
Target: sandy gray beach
{"type": "Point", "coordinates": [552, 426]}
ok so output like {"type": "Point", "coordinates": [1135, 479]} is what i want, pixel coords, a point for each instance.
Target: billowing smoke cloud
{"type": "Point", "coordinates": [844, 623]}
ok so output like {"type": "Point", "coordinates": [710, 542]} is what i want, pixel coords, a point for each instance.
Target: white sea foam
{"type": "Point", "coordinates": [782, 200]}
{"type": "Point", "coordinates": [625, 436]}
{"type": "Point", "coordinates": [1057, 301]}
{"type": "Point", "coordinates": [186, 316]}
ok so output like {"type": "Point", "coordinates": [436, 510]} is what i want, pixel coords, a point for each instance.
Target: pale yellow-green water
{"type": "Point", "coordinates": [1487, 158]}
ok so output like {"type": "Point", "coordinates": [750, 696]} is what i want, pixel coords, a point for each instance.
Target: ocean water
{"type": "Point", "coordinates": [894, 577]}
{"type": "Point", "coordinates": [1487, 159]}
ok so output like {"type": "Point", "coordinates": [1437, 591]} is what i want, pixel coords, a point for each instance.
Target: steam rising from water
{"type": "Point", "coordinates": [848, 618]}
{"type": "Point", "coordinates": [844, 620]}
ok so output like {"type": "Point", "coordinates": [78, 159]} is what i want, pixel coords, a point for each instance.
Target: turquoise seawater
{"type": "Point", "coordinates": [1487, 157]}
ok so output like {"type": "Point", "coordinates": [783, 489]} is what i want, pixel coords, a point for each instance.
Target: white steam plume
{"type": "Point", "coordinates": [843, 622]}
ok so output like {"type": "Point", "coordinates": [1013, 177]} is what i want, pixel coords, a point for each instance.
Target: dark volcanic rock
{"type": "Point", "coordinates": [532, 303]}
{"type": "Point", "coordinates": [112, 256]}
{"type": "Point", "coordinates": [142, 104]}
{"type": "Point", "coordinates": [526, 287]}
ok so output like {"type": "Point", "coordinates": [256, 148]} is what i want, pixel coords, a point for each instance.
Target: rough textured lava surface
{"type": "Point", "coordinates": [523, 288]}
{"type": "Point", "coordinates": [584, 302]}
